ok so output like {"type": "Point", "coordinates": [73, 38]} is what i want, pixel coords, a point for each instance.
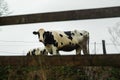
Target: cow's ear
{"type": "Point", "coordinates": [35, 33]}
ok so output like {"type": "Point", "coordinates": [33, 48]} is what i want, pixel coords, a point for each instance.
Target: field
{"type": "Point", "coordinates": [92, 67]}
{"type": "Point", "coordinates": [59, 73]}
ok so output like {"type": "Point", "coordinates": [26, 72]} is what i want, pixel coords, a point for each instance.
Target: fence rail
{"type": "Point", "coordinates": [108, 12]}
{"type": "Point", "coordinates": [71, 60]}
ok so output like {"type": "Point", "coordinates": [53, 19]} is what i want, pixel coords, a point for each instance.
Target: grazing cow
{"type": "Point", "coordinates": [64, 40]}
{"type": "Point", "coordinates": [37, 51]}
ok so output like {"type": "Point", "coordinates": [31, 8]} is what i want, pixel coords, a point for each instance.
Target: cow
{"type": "Point", "coordinates": [54, 41]}
{"type": "Point", "coordinates": [37, 51]}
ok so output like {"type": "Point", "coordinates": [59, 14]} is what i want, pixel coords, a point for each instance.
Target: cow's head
{"type": "Point", "coordinates": [82, 34]}
{"type": "Point", "coordinates": [40, 34]}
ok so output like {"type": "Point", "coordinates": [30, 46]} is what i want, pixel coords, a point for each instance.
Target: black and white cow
{"type": "Point", "coordinates": [37, 51]}
{"type": "Point", "coordinates": [64, 40]}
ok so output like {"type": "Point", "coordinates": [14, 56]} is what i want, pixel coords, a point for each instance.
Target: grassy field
{"type": "Point", "coordinates": [59, 73]}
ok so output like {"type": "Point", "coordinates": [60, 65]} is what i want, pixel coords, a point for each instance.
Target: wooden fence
{"type": "Point", "coordinates": [71, 60]}
{"type": "Point", "coordinates": [62, 16]}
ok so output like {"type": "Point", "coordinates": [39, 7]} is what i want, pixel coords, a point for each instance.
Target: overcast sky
{"type": "Point", "coordinates": [38, 6]}
{"type": "Point", "coordinates": [18, 39]}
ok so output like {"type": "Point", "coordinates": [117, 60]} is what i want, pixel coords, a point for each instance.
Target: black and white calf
{"type": "Point", "coordinates": [64, 40]}
{"type": "Point", "coordinates": [37, 51]}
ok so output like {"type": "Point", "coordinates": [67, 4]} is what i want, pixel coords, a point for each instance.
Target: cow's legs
{"type": "Point", "coordinates": [54, 50]}
{"type": "Point", "coordinates": [85, 50]}
{"type": "Point", "coordinates": [78, 51]}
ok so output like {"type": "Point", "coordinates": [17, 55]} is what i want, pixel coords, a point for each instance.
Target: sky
{"type": "Point", "coordinates": [18, 39]}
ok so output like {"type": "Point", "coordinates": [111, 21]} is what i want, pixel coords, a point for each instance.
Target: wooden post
{"type": "Point", "coordinates": [104, 47]}
{"type": "Point", "coordinates": [95, 47]}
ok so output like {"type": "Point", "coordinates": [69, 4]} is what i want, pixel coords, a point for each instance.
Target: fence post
{"type": "Point", "coordinates": [95, 47]}
{"type": "Point", "coordinates": [104, 47]}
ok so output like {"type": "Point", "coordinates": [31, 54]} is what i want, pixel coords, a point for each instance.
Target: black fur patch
{"type": "Point", "coordinates": [61, 43]}
{"type": "Point", "coordinates": [70, 43]}
{"type": "Point", "coordinates": [81, 34]}
{"type": "Point", "coordinates": [70, 37]}
{"type": "Point", "coordinates": [69, 34]}
{"type": "Point", "coordinates": [49, 39]}
{"type": "Point", "coordinates": [33, 52]}
{"type": "Point", "coordinates": [61, 35]}
{"type": "Point", "coordinates": [73, 34]}
{"type": "Point", "coordinates": [69, 47]}
{"type": "Point", "coordinates": [44, 52]}
{"type": "Point", "coordinates": [55, 43]}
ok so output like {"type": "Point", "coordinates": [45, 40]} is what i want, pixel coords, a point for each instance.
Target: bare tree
{"type": "Point", "coordinates": [3, 8]}
{"type": "Point", "coordinates": [115, 35]}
